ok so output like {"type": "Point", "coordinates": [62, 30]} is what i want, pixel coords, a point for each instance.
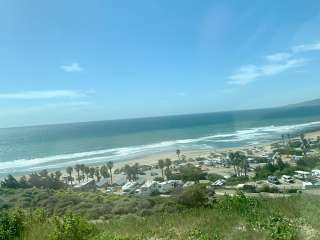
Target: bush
{"type": "Point", "coordinates": [237, 180]}
{"type": "Point", "coordinates": [280, 228]}
{"type": "Point", "coordinates": [159, 179]}
{"type": "Point", "coordinates": [11, 225]}
{"type": "Point", "coordinates": [214, 177]}
{"type": "Point", "coordinates": [194, 196]}
{"type": "Point", "coordinates": [71, 227]}
{"type": "Point", "coordinates": [268, 189]}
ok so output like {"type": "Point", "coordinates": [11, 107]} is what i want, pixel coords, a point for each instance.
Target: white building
{"type": "Point", "coordinates": [315, 173]}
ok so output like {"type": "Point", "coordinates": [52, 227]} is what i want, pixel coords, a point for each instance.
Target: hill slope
{"type": "Point", "coordinates": [315, 102]}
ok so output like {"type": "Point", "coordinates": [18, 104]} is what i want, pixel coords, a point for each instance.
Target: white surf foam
{"type": "Point", "coordinates": [59, 161]}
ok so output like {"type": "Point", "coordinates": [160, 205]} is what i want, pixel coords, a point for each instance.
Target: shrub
{"type": "Point", "coordinates": [280, 228]}
{"type": "Point", "coordinates": [214, 177]}
{"type": "Point", "coordinates": [71, 227]}
{"type": "Point", "coordinates": [159, 179]}
{"type": "Point", "coordinates": [11, 225]}
{"type": "Point", "coordinates": [194, 196]}
{"type": "Point", "coordinates": [269, 189]}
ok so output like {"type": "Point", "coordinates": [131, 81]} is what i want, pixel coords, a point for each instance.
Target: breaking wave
{"type": "Point", "coordinates": [237, 138]}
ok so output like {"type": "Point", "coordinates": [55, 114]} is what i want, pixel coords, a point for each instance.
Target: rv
{"type": "Point", "coordinates": [129, 187]}
{"type": "Point", "coordinates": [315, 173]}
{"type": "Point", "coordinates": [301, 175]}
{"type": "Point", "coordinates": [168, 186]}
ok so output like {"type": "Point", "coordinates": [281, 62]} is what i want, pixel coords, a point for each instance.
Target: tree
{"type": "Point", "coordinates": [161, 165]}
{"type": "Point", "coordinates": [10, 182]}
{"type": "Point", "coordinates": [58, 175]}
{"type": "Point", "coordinates": [104, 171]}
{"type": "Point", "coordinates": [97, 173]}
{"type": "Point", "coordinates": [77, 168]}
{"type": "Point", "coordinates": [87, 171]}
{"type": "Point", "coordinates": [43, 173]}
{"type": "Point", "coordinates": [23, 182]}
{"type": "Point", "coordinates": [190, 173]}
{"type": "Point", "coordinates": [35, 180]}
{"type": "Point", "coordinates": [234, 159]}
{"type": "Point", "coordinates": [110, 166]}
{"type": "Point", "coordinates": [168, 162]}
{"type": "Point", "coordinates": [128, 171]}
{"type": "Point", "coordinates": [69, 171]}
{"type": "Point", "coordinates": [305, 144]}
{"type": "Point", "coordinates": [82, 169]}
{"type": "Point", "coordinates": [131, 171]}
{"type": "Point", "coordinates": [178, 153]}
{"type": "Point", "coordinates": [92, 171]}
{"type": "Point", "coordinates": [168, 173]}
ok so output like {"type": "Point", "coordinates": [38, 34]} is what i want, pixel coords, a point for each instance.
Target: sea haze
{"type": "Point", "coordinates": [27, 149]}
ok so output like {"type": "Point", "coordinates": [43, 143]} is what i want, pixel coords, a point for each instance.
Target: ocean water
{"type": "Point", "coordinates": [27, 149]}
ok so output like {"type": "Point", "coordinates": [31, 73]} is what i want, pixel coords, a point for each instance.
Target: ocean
{"type": "Point", "coordinates": [27, 149]}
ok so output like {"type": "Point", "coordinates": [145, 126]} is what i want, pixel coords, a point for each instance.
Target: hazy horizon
{"type": "Point", "coordinates": [163, 116]}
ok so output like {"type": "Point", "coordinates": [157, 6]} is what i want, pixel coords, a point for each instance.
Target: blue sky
{"type": "Point", "coordinates": [68, 61]}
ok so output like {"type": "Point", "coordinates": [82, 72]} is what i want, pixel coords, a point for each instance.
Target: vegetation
{"type": "Point", "coordinates": [240, 163]}
{"type": "Point", "coordinates": [309, 162]}
{"type": "Point", "coordinates": [277, 169]}
{"type": "Point", "coordinates": [189, 172]}
{"type": "Point", "coordinates": [228, 217]}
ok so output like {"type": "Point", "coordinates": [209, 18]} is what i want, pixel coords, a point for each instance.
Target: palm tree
{"type": "Point", "coordinates": [110, 166]}
{"type": "Point", "coordinates": [128, 171]}
{"type": "Point", "coordinates": [178, 153]}
{"type": "Point", "coordinates": [77, 168]}
{"type": "Point", "coordinates": [104, 171]}
{"type": "Point", "coordinates": [244, 164]}
{"type": "Point", "coordinates": [97, 173]}
{"type": "Point", "coordinates": [87, 171]}
{"type": "Point", "coordinates": [305, 144]}
{"type": "Point", "coordinates": [58, 175]}
{"type": "Point", "coordinates": [235, 159]}
{"type": "Point", "coordinates": [161, 165]}
{"type": "Point", "coordinates": [135, 171]}
{"type": "Point", "coordinates": [69, 171]}
{"type": "Point", "coordinates": [91, 172]}
{"type": "Point", "coordinates": [167, 162]}
{"type": "Point", "coordinates": [82, 169]}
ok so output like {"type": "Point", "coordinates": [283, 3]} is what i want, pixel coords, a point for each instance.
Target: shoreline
{"type": "Point", "coordinates": [152, 159]}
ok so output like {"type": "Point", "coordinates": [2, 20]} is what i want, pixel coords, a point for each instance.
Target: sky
{"type": "Point", "coordinates": [74, 61]}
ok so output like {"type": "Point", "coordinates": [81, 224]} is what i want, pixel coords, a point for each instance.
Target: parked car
{"type": "Point", "coordinates": [287, 179]}
{"type": "Point", "coordinates": [273, 180]}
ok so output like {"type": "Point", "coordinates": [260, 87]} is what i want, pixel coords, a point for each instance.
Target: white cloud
{"type": "Point", "coordinates": [278, 57]}
{"type": "Point", "coordinates": [29, 95]}
{"type": "Point", "coordinates": [250, 73]}
{"type": "Point", "coordinates": [272, 69]}
{"type": "Point", "coordinates": [306, 47]}
{"type": "Point", "coordinates": [74, 67]}
{"type": "Point", "coordinates": [245, 75]}
{"type": "Point", "coordinates": [275, 64]}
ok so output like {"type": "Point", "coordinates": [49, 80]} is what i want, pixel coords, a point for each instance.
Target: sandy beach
{"type": "Point", "coordinates": [152, 159]}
